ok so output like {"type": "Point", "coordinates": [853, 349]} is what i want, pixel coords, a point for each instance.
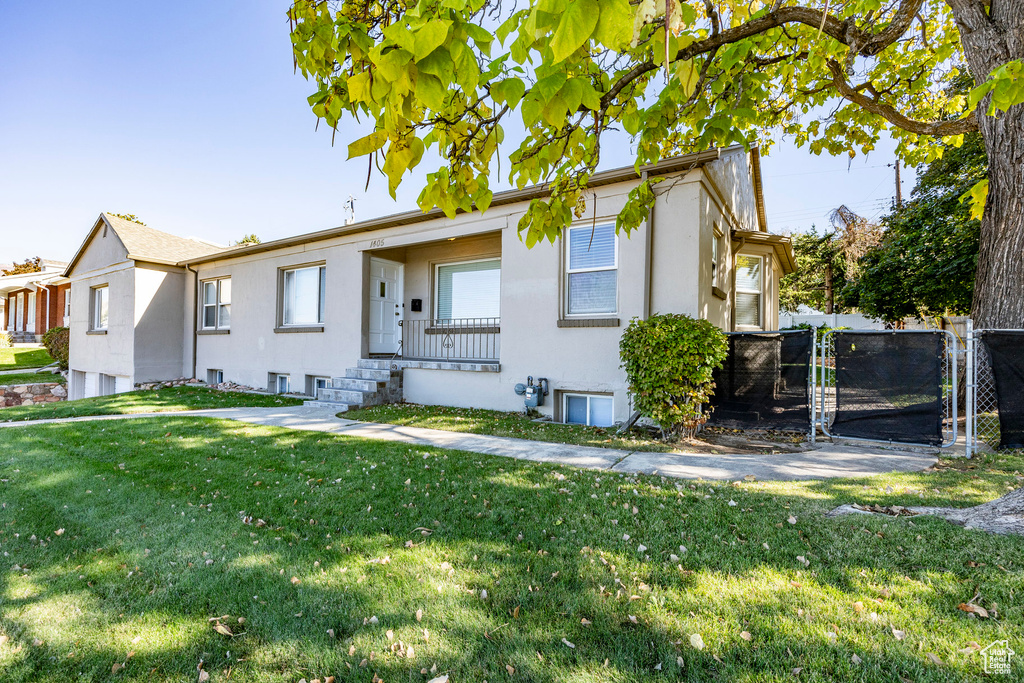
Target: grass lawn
{"type": "Point", "coordinates": [127, 544]}
{"type": "Point", "coordinates": [170, 399]}
{"type": "Point", "coordinates": [498, 423]}
{"type": "Point", "coordinates": [24, 357]}
{"type": "Point", "coordinates": [30, 378]}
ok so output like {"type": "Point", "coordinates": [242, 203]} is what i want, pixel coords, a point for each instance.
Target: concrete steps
{"type": "Point", "coordinates": [373, 382]}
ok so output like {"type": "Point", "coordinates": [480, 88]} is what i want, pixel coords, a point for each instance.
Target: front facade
{"type": "Point", "coordinates": [458, 311]}
{"type": "Point", "coordinates": [33, 303]}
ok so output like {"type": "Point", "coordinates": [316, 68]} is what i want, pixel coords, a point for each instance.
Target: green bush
{"type": "Point", "coordinates": [669, 360]}
{"type": "Point", "coordinates": [56, 342]}
{"type": "Point", "coordinates": [5, 340]}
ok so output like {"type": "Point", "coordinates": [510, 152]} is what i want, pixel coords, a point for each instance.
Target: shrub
{"type": "Point", "coordinates": [56, 342]}
{"type": "Point", "coordinates": [5, 340]}
{"type": "Point", "coordinates": [669, 360]}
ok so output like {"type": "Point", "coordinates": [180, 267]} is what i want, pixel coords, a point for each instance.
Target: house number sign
{"type": "Point", "coordinates": [377, 243]}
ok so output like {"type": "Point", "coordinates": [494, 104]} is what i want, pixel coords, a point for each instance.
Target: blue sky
{"type": "Point", "coordinates": [188, 115]}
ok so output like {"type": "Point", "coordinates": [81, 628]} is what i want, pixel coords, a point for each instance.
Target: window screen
{"type": "Point", "coordinates": [591, 277]}
{"type": "Point", "coordinates": [748, 291]}
{"type": "Point", "coordinates": [584, 409]}
{"type": "Point", "coordinates": [469, 290]}
{"type": "Point", "coordinates": [304, 296]}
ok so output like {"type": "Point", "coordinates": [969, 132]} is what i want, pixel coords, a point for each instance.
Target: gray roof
{"type": "Point", "coordinates": [146, 244]}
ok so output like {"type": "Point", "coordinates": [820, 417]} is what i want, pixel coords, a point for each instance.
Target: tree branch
{"type": "Point", "coordinates": [937, 128]}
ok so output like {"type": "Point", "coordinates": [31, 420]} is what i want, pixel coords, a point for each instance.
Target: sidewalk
{"type": "Point", "coordinates": [831, 460]}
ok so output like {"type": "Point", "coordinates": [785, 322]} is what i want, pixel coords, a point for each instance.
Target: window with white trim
{"type": "Point", "coordinates": [214, 377]}
{"type": "Point", "coordinates": [304, 296]}
{"type": "Point", "coordinates": [588, 409]}
{"type": "Point", "coordinates": [217, 304]}
{"type": "Point", "coordinates": [315, 383]}
{"type": "Point", "coordinates": [469, 289]}
{"type": "Point", "coordinates": [591, 273]}
{"type": "Point", "coordinates": [100, 307]}
{"type": "Point", "coordinates": [749, 288]}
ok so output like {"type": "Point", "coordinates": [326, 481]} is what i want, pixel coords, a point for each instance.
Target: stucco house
{"type": "Point", "coordinates": [32, 303]}
{"type": "Point", "coordinates": [420, 307]}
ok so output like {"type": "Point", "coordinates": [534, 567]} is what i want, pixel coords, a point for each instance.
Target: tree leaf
{"type": "Point", "coordinates": [575, 27]}
{"type": "Point", "coordinates": [368, 144]}
{"type": "Point", "coordinates": [429, 37]}
{"type": "Point", "coordinates": [615, 25]}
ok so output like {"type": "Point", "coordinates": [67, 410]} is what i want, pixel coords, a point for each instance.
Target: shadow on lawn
{"type": "Point", "coordinates": [130, 573]}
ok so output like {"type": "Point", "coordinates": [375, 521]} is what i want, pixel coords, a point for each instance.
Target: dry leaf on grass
{"type": "Point", "coordinates": [855, 659]}
{"type": "Point", "coordinates": [568, 644]}
{"type": "Point", "coordinates": [696, 641]}
{"type": "Point", "coordinates": [898, 634]}
{"type": "Point", "coordinates": [973, 609]}
{"type": "Point", "coordinates": [745, 635]}
{"type": "Point", "coordinates": [203, 676]}
{"type": "Point", "coordinates": [440, 679]}
{"type": "Point", "coordinates": [934, 658]}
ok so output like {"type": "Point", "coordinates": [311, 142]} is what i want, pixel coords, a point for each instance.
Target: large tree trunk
{"type": "Point", "coordinates": [990, 41]}
{"type": "Point", "coordinates": [999, 281]}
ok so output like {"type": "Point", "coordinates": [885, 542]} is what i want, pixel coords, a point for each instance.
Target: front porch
{"type": "Point", "coordinates": [436, 304]}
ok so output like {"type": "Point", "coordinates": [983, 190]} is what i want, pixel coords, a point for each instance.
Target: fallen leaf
{"type": "Point", "coordinates": [745, 635]}
{"type": "Point", "coordinates": [696, 641]}
{"type": "Point", "coordinates": [510, 669]}
{"type": "Point", "coordinates": [973, 609]}
{"type": "Point", "coordinates": [934, 658]}
{"type": "Point", "coordinates": [419, 615]}
{"type": "Point", "coordinates": [585, 621]}
{"type": "Point", "coordinates": [515, 612]}
{"type": "Point", "coordinates": [117, 667]}
{"type": "Point", "coordinates": [203, 676]}
{"type": "Point", "coordinates": [440, 679]}
{"type": "Point", "coordinates": [797, 670]}
{"type": "Point", "coordinates": [59, 532]}
{"type": "Point", "coordinates": [792, 519]}
{"type": "Point", "coordinates": [858, 606]}
{"type": "Point", "coordinates": [568, 644]}
{"type": "Point", "coordinates": [855, 659]}
{"type": "Point", "coordinates": [898, 634]}
{"type": "Point", "coordinates": [223, 630]}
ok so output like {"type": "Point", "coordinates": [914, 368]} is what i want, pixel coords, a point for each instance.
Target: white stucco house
{"type": "Point", "coordinates": [432, 310]}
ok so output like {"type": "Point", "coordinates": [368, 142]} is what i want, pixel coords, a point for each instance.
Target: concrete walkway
{"type": "Point", "coordinates": [830, 460]}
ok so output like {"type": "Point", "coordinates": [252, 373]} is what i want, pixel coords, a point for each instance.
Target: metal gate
{"type": "Point", "coordinates": [995, 388]}
{"type": "Point", "coordinates": [892, 386]}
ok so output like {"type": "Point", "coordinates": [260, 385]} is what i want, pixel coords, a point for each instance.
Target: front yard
{"type": "Point", "coordinates": [17, 357]}
{"type": "Point", "coordinates": [171, 399]}
{"type": "Point", "coordinates": [141, 550]}
{"type": "Point", "coordinates": [16, 378]}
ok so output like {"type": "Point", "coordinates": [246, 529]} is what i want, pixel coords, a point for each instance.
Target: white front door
{"type": "Point", "coordinates": [19, 312]}
{"type": "Point", "coordinates": [385, 305]}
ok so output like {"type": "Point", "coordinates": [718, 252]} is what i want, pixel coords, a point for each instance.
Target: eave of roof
{"type": "Point", "coordinates": [675, 164]}
{"type": "Point", "coordinates": [780, 244]}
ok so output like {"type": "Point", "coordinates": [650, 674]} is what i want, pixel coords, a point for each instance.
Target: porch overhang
{"type": "Point", "coordinates": [781, 245]}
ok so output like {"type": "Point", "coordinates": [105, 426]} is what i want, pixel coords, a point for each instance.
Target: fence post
{"type": "Point", "coordinates": [813, 381]}
{"type": "Point", "coordinates": [971, 419]}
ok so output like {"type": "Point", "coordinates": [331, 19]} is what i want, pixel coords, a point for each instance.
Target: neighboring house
{"type": "Point", "coordinates": [457, 311]}
{"type": "Point", "coordinates": [128, 322]}
{"type": "Point", "coordinates": [34, 302]}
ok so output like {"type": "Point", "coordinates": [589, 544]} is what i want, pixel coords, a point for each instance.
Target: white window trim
{"type": "Point", "coordinates": [321, 290]}
{"type": "Point", "coordinates": [216, 304]}
{"type": "Point", "coordinates": [569, 271]}
{"type": "Point", "coordinates": [577, 394]}
{"type": "Point", "coordinates": [96, 308]}
{"type": "Point", "coordinates": [437, 281]}
{"type": "Point", "coordinates": [760, 292]}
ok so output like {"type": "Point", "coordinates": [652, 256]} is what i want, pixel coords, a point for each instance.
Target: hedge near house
{"type": "Point", "coordinates": [56, 342]}
{"type": "Point", "coordinates": [669, 360]}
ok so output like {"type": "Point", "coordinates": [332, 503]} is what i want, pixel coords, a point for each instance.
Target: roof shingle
{"type": "Point", "coordinates": [146, 244]}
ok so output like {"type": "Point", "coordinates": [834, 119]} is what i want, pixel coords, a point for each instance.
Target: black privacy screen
{"type": "Point", "coordinates": [1006, 353]}
{"type": "Point", "coordinates": [763, 383]}
{"type": "Point", "coordinates": [888, 386]}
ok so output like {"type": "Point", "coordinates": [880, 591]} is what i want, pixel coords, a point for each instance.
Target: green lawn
{"type": "Point", "coordinates": [498, 423]}
{"type": "Point", "coordinates": [127, 543]}
{"type": "Point", "coordinates": [24, 357]}
{"type": "Point", "coordinates": [170, 399]}
{"type": "Point", "coordinates": [30, 378]}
